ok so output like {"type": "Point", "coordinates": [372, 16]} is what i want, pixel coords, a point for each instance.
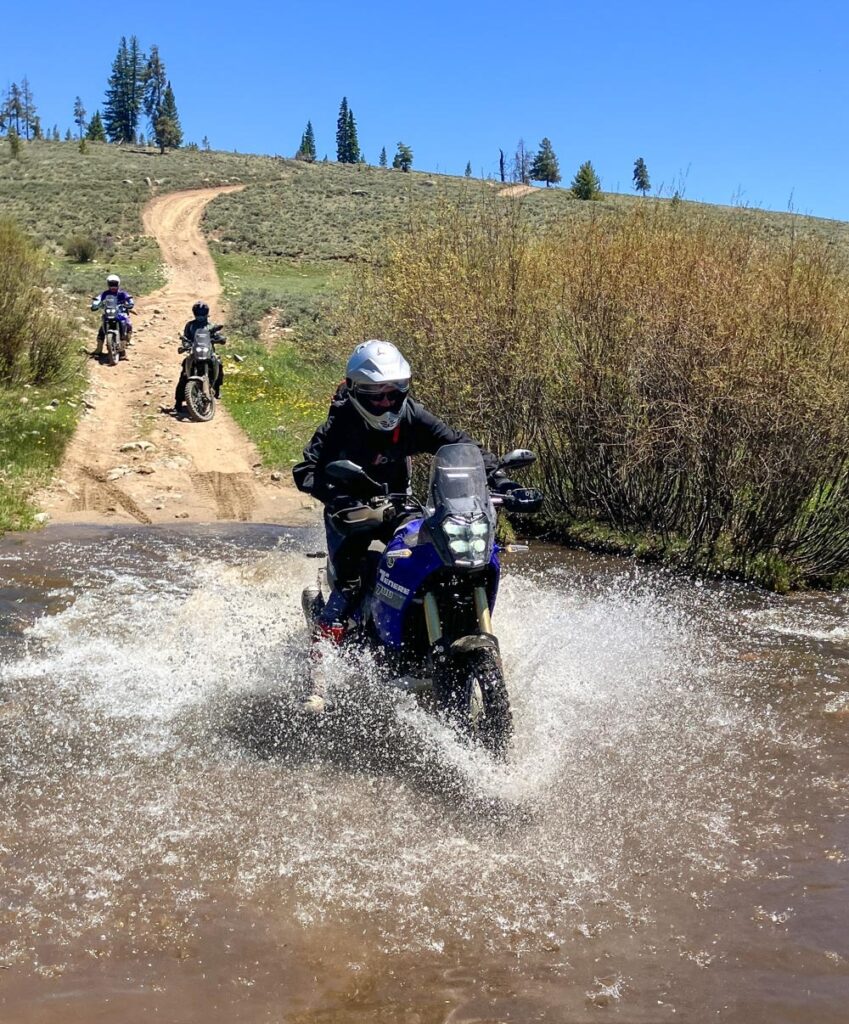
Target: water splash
{"type": "Point", "coordinates": [158, 715]}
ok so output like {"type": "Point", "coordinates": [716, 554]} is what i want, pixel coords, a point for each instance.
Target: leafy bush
{"type": "Point", "coordinates": [34, 343]}
{"type": "Point", "coordinates": [251, 305]}
{"type": "Point", "coordinates": [82, 248]}
{"type": "Point", "coordinates": [680, 374]}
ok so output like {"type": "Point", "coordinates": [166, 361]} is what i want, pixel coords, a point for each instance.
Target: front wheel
{"type": "Point", "coordinates": [472, 695]}
{"type": "Point", "coordinates": [201, 405]}
{"type": "Point", "coordinates": [113, 348]}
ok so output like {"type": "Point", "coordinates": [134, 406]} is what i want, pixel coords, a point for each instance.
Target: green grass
{"type": "Point", "coordinates": [278, 395]}
{"type": "Point", "coordinates": [279, 398]}
{"type": "Point", "coordinates": [33, 436]}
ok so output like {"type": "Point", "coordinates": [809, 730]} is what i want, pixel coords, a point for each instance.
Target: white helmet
{"type": "Point", "coordinates": [113, 279]}
{"type": "Point", "coordinates": [378, 379]}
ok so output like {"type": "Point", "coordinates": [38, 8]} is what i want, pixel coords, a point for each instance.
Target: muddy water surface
{"type": "Point", "coordinates": [668, 842]}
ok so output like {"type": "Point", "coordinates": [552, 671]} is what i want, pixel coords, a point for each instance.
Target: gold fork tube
{"type": "Point", "coordinates": [434, 626]}
{"type": "Point", "coordinates": [482, 610]}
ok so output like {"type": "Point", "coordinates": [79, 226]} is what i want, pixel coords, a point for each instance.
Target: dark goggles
{"type": "Point", "coordinates": [378, 398]}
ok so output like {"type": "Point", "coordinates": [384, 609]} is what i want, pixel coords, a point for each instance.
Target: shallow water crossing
{"type": "Point", "coordinates": [668, 841]}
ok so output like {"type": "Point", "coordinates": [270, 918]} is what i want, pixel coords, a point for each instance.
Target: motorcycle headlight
{"type": "Point", "coordinates": [467, 538]}
{"type": "Point", "coordinates": [202, 351]}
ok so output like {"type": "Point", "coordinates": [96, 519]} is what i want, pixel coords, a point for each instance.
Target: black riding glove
{"type": "Point", "coordinates": [502, 485]}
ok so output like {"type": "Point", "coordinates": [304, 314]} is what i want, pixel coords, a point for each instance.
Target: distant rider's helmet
{"type": "Point", "coordinates": [378, 379]}
{"type": "Point", "coordinates": [200, 310]}
{"type": "Point", "coordinates": [113, 281]}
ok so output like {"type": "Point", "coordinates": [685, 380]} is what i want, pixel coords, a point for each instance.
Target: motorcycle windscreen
{"type": "Point", "coordinates": [458, 481]}
{"type": "Point", "coordinates": [202, 343]}
{"type": "Point", "coordinates": [110, 305]}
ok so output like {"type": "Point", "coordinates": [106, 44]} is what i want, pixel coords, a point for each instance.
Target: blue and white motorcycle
{"type": "Point", "coordinates": [428, 597]}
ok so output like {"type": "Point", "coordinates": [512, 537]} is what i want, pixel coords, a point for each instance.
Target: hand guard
{"type": "Point", "coordinates": [522, 499]}
{"type": "Point", "coordinates": [352, 516]}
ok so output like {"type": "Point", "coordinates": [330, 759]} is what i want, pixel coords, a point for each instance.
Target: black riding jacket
{"type": "Point", "coordinates": [199, 324]}
{"type": "Point", "coordinates": [383, 454]}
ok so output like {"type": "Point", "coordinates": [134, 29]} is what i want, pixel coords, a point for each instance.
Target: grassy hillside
{"type": "Point", "coordinates": [292, 242]}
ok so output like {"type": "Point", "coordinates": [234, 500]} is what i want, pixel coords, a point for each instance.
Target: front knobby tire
{"type": "Point", "coordinates": [201, 407]}
{"type": "Point", "coordinates": [472, 695]}
{"type": "Point", "coordinates": [113, 349]}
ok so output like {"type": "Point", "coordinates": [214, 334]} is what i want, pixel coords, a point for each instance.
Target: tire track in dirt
{"type": "Point", "coordinates": [129, 460]}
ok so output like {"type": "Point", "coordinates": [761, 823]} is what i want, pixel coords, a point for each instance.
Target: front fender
{"type": "Point", "coordinates": [475, 642]}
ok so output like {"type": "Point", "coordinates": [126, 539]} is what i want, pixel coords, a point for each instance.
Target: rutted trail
{"type": "Point", "coordinates": [193, 471]}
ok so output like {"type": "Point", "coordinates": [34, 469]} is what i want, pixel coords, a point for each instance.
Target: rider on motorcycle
{"type": "Point", "coordinates": [375, 423]}
{"type": "Point", "coordinates": [113, 287]}
{"type": "Point", "coordinates": [200, 311]}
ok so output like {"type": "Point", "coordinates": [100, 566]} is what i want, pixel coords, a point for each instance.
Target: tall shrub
{"type": "Point", "coordinates": [34, 342]}
{"type": "Point", "coordinates": [680, 373]}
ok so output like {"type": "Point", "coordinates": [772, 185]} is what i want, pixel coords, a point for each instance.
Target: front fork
{"type": "Point", "coordinates": [434, 623]}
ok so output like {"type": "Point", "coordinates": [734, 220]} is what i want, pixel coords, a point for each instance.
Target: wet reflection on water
{"type": "Point", "coordinates": [668, 841]}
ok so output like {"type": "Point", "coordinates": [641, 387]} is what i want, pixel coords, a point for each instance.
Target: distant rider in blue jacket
{"type": "Point", "coordinates": [113, 287]}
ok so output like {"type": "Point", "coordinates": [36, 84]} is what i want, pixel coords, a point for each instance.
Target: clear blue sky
{"type": "Point", "coordinates": [744, 100]}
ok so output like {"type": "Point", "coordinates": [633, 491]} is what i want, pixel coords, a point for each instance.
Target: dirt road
{"type": "Point", "coordinates": [129, 460]}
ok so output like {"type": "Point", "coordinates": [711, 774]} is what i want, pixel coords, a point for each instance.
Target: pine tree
{"type": "Point", "coordinates": [115, 104]}
{"type": "Point", "coordinates": [55, 133]}
{"type": "Point", "coordinates": [155, 81]}
{"type": "Point", "coordinates": [28, 111]}
{"type": "Point", "coordinates": [641, 176]}
{"type": "Point", "coordinates": [306, 150]}
{"type": "Point", "coordinates": [468, 171]}
{"type": "Point", "coordinates": [69, 137]}
{"type": "Point", "coordinates": [95, 131]}
{"type": "Point", "coordinates": [13, 109]}
{"type": "Point", "coordinates": [403, 159]}
{"type": "Point", "coordinates": [353, 155]}
{"type": "Point", "coordinates": [135, 83]}
{"type": "Point", "coordinates": [167, 130]}
{"type": "Point", "coordinates": [586, 184]}
{"type": "Point", "coordinates": [382, 160]}
{"type": "Point", "coordinates": [36, 128]}
{"type": "Point", "coordinates": [501, 169]}
{"type": "Point", "coordinates": [205, 143]}
{"type": "Point", "coordinates": [124, 92]}
{"type": "Point", "coordinates": [342, 132]}
{"type": "Point", "coordinates": [79, 115]}
{"type": "Point", "coordinates": [544, 166]}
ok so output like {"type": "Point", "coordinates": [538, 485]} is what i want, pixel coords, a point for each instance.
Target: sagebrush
{"type": "Point", "coordinates": [680, 373]}
{"type": "Point", "coordinates": [35, 344]}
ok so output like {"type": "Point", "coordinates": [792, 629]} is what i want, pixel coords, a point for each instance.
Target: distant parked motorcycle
{"type": "Point", "coordinates": [200, 371]}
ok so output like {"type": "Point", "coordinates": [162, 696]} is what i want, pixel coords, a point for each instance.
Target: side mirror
{"type": "Point", "coordinates": [519, 458]}
{"type": "Point", "coordinates": [354, 479]}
